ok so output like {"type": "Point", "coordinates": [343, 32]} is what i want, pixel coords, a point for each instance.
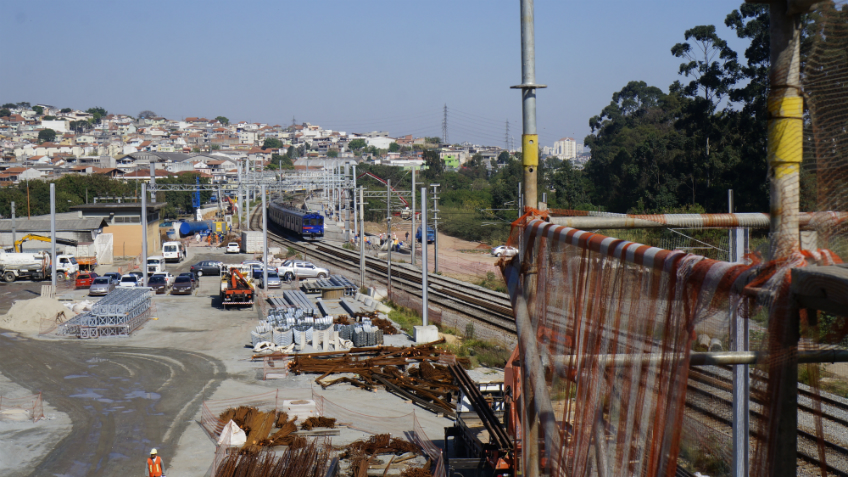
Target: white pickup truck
{"type": "Point", "coordinates": [291, 269]}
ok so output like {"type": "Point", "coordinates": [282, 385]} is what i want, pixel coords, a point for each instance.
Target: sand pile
{"type": "Point", "coordinates": [25, 316]}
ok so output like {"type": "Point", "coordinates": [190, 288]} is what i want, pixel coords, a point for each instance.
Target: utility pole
{"type": "Point", "coordinates": [412, 232]}
{"type": "Point", "coordinates": [264, 242]}
{"type": "Point", "coordinates": [239, 203]}
{"type": "Point", "coordinates": [389, 232]}
{"type": "Point", "coordinates": [353, 190]}
{"type": "Point", "coordinates": [14, 237]}
{"type": "Point", "coordinates": [435, 227]}
{"type": "Point", "coordinates": [424, 298]}
{"type": "Point", "coordinates": [144, 235]}
{"type": "Point", "coordinates": [346, 202]}
{"type": "Point", "coordinates": [362, 236]}
{"type": "Point", "coordinates": [53, 261]}
{"type": "Point", "coordinates": [528, 86]}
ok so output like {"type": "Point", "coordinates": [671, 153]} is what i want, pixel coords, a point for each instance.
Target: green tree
{"type": "Point", "coordinates": [38, 110]}
{"type": "Point", "coordinates": [223, 120]}
{"type": "Point", "coordinates": [281, 161]}
{"type": "Point", "coordinates": [146, 114]}
{"type": "Point", "coordinates": [332, 153]}
{"type": "Point", "coordinates": [80, 126]}
{"type": "Point", "coordinates": [394, 147]}
{"type": "Point", "coordinates": [66, 110]}
{"type": "Point", "coordinates": [215, 147]}
{"type": "Point", "coordinates": [474, 168]}
{"type": "Point", "coordinates": [9, 106]}
{"type": "Point", "coordinates": [97, 112]}
{"type": "Point", "coordinates": [433, 140]}
{"type": "Point", "coordinates": [46, 135]}
{"type": "Point", "coordinates": [435, 165]}
{"type": "Point", "coordinates": [49, 118]}
{"type": "Point", "coordinates": [356, 144]}
{"type": "Point", "coordinates": [5, 112]}
{"type": "Point", "coordinates": [571, 187]}
{"type": "Point", "coordinates": [503, 157]}
{"type": "Point", "coordinates": [272, 143]}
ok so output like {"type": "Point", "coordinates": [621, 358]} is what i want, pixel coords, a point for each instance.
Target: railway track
{"type": "Point", "coordinates": [479, 304]}
{"type": "Point", "coordinates": [709, 395]}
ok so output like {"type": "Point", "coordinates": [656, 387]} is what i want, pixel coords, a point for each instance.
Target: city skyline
{"type": "Point", "coordinates": [375, 66]}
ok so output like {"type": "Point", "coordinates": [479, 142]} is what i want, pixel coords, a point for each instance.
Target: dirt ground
{"type": "Point", "coordinates": [110, 400]}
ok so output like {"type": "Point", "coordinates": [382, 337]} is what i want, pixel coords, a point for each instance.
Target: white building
{"type": "Point", "coordinates": [567, 148]}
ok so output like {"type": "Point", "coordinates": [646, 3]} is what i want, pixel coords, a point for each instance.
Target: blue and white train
{"type": "Point", "coordinates": [300, 222]}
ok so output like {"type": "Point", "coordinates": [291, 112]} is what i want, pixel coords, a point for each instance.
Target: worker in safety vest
{"type": "Point", "coordinates": [154, 464]}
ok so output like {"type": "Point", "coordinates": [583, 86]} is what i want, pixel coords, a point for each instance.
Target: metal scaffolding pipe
{"type": "Point", "coordinates": [54, 262]}
{"type": "Point", "coordinates": [715, 358]}
{"type": "Point", "coordinates": [807, 220]}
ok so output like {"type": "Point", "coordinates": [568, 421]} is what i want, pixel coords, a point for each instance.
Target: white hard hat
{"type": "Point", "coordinates": [153, 451]}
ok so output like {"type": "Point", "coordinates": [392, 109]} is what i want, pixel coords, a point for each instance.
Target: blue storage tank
{"type": "Point", "coordinates": [191, 228]}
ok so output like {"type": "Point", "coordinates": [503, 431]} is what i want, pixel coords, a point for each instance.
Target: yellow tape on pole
{"type": "Point", "coordinates": [530, 149]}
{"type": "Point", "coordinates": [785, 130]}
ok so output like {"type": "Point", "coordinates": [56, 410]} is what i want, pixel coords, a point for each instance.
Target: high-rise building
{"type": "Point", "coordinates": [566, 148]}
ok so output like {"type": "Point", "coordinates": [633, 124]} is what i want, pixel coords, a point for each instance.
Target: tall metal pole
{"type": "Point", "coordinates": [144, 234]}
{"type": "Point", "coordinates": [152, 182]}
{"type": "Point", "coordinates": [264, 242]}
{"type": "Point", "coordinates": [53, 261]}
{"type": "Point", "coordinates": [239, 203]}
{"type": "Point", "coordinates": [412, 245]}
{"type": "Point", "coordinates": [741, 384]}
{"type": "Point", "coordinates": [424, 297]}
{"type": "Point", "coordinates": [14, 235]}
{"type": "Point", "coordinates": [389, 233]}
{"type": "Point", "coordinates": [362, 236]}
{"type": "Point", "coordinates": [435, 228]}
{"type": "Point", "coordinates": [353, 189]}
{"type": "Point", "coordinates": [528, 86]}
{"type": "Point", "coordinates": [785, 129]}
{"type": "Point", "coordinates": [346, 191]}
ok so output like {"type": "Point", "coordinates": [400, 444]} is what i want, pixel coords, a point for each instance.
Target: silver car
{"type": "Point", "coordinates": [273, 280]}
{"type": "Point", "coordinates": [296, 269]}
{"type": "Point", "coordinates": [101, 286]}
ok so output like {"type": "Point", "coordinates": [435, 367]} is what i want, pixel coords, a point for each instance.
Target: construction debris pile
{"type": "Point", "coordinates": [117, 314]}
{"type": "Point", "coordinates": [287, 329]}
{"type": "Point", "coordinates": [258, 426]}
{"type": "Point", "coordinates": [310, 460]}
{"type": "Point", "coordinates": [429, 385]}
{"type": "Point", "coordinates": [383, 455]}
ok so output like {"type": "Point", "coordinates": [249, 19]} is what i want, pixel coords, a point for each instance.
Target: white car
{"type": "Point", "coordinates": [504, 251]}
{"type": "Point", "coordinates": [233, 247]}
{"type": "Point", "coordinates": [129, 281]}
{"type": "Point", "coordinates": [291, 270]}
{"type": "Point", "coordinates": [168, 277]}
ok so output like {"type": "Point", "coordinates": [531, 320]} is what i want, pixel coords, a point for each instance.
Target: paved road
{"type": "Point", "coordinates": [122, 400]}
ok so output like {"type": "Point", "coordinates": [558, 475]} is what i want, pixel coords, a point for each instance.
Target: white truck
{"type": "Point", "coordinates": [155, 264]}
{"type": "Point", "coordinates": [33, 266]}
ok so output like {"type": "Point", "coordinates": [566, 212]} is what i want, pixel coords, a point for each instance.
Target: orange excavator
{"type": "Point", "coordinates": [236, 290]}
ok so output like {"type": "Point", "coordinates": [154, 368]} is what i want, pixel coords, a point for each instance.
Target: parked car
{"type": "Point", "coordinates": [206, 268]}
{"type": "Point", "coordinates": [191, 275]}
{"type": "Point", "coordinates": [273, 280]}
{"type": "Point", "coordinates": [101, 286]}
{"type": "Point", "coordinates": [233, 247]}
{"type": "Point", "coordinates": [129, 280]}
{"type": "Point", "coordinates": [504, 251]}
{"type": "Point", "coordinates": [292, 269]}
{"type": "Point", "coordinates": [138, 274]}
{"type": "Point", "coordinates": [158, 283]}
{"type": "Point", "coordinates": [183, 285]}
{"type": "Point", "coordinates": [85, 279]}
{"type": "Point", "coordinates": [168, 277]}
{"type": "Point", "coordinates": [114, 276]}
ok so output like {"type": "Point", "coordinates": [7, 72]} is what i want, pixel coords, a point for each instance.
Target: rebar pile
{"type": "Point", "coordinates": [309, 460]}
{"type": "Point", "coordinates": [381, 444]}
{"type": "Point", "coordinates": [415, 472]}
{"type": "Point", "coordinates": [257, 425]}
{"type": "Point", "coordinates": [430, 386]}
{"type": "Point", "coordinates": [319, 421]}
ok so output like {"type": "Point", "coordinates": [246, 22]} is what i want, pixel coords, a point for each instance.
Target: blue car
{"type": "Point", "coordinates": [431, 235]}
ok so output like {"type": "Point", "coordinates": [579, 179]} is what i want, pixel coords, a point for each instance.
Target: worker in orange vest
{"type": "Point", "coordinates": [154, 464]}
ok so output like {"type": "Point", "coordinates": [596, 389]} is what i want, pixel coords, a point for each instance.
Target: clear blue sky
{"type": "Point", "coordinates": [354, 66]}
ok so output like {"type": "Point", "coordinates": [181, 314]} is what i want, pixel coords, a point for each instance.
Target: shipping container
{"type": "Point", "coordinates": [251, 242]}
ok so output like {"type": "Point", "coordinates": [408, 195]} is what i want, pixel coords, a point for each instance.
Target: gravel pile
{"type": "Point", "coordinates": [26, 316]}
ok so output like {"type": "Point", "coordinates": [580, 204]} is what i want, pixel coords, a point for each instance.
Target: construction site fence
{"type": "Point", "coordinates": [31, 406]}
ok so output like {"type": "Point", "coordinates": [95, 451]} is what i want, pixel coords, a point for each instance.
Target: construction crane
{"type": "Point", "coordinates": [42, 238]}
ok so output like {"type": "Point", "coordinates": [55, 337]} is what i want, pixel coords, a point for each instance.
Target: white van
{"type": "Point", "coordinates": [155, 264]}
{"type": "Point", "coordinates": [174, 251]}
